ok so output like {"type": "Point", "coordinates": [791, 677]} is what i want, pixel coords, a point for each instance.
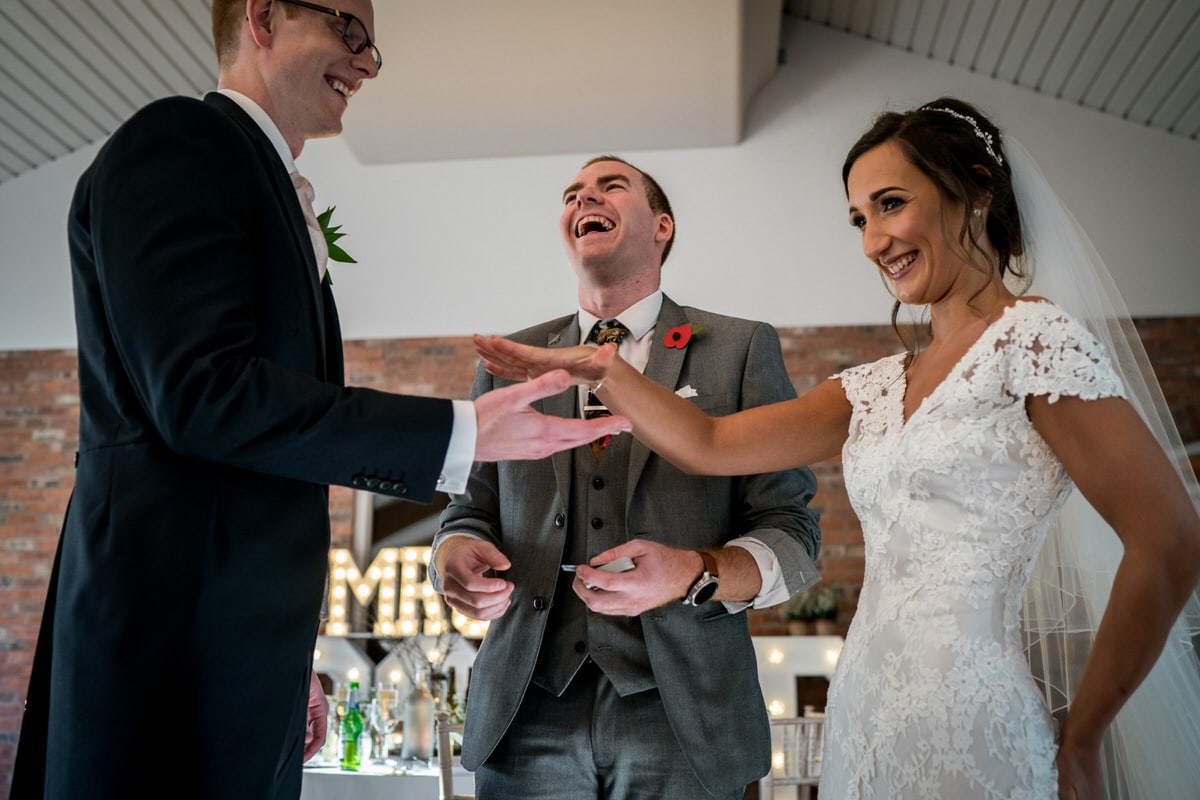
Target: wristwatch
{"type": "Point", "coordinates": [706, 585]}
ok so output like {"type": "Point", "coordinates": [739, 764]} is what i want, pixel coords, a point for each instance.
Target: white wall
{"type": "Point", "coordinates": [453, 247]}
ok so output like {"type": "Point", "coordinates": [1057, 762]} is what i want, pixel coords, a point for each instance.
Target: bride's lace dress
{"type": "Point", "coordinates": [933, 697]}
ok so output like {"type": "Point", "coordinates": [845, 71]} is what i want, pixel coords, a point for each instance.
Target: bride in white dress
{"type": "Point", "coordinates": [958, 458]}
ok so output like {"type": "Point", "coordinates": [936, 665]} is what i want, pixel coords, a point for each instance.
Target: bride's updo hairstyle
{"type": "Point", "coordinates": [960, 150]}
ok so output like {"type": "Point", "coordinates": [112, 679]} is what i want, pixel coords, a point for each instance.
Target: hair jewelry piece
{"type": "Point", "coordinates": [980, 132]}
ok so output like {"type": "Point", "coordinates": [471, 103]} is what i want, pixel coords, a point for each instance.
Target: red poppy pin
{"type": "Point", "coordinates": [679, 336]}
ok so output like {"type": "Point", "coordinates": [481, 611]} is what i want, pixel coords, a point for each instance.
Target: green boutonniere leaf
{"type": "Point", "coordinates": [338, 254]}
{"type": "Point", "coordinates": [332, 234]}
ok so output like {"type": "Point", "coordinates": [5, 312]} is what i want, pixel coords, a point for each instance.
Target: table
{"type": "Point", "coordinates": [372, 782]}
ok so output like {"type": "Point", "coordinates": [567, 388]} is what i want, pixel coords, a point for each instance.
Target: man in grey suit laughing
{"type": "Point", "coordinates": [601, 683]}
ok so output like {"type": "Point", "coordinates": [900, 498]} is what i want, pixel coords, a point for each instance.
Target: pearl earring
{"type": "Point", "coordinates": [978, 212]}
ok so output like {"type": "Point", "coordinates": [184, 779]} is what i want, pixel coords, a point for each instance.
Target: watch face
{"type": "Point", "coordinates": [705, 592]}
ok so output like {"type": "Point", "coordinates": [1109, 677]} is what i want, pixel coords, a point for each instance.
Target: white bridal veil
{"type": "Point", "coordinates": [1153, 748]}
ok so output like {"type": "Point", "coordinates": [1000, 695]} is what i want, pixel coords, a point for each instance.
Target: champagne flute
{"type": "Point", "coordinates": [383, 716]}
{"type": "Point", "coordinates": [333, 732]}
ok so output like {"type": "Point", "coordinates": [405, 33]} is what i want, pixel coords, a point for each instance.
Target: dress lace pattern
{"type": "Point", "coordinates": [933, 697]}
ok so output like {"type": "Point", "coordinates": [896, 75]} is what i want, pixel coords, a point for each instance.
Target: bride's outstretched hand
{"type": "Point", "coordinates": [518, 362]}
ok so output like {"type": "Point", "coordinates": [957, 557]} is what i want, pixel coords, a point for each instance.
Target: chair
{"type": "Point", "coordinates": [796, 744]}
{"type": "Point", "coordinates": [445, 757]}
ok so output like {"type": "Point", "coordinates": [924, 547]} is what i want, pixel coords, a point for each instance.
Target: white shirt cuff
{"type": "Point", "coordinates": [460, 453]}
{"type": "Point", "coordinates": [773, 590]}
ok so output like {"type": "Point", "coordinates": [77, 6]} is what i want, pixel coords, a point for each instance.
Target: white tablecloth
{"type": "Point", "coordinates": [377, 783]}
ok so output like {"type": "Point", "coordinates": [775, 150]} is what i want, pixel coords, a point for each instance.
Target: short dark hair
{"type": "Point", "coordinates": [657, 198]}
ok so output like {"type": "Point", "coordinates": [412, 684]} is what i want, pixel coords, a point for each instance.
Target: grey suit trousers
{"type": "Point", "coordinates": [576, 747]}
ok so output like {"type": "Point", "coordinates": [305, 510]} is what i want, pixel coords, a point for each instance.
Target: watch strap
{"type": "Point", "coordinates": [706, 585]}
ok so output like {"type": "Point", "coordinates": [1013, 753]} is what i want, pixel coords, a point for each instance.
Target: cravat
{"type": "Point", "coordinates": [603, 332]}
{"type": "Point", "coordinates": [304, 190]}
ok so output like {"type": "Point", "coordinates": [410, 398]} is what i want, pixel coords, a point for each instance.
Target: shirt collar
{"type": "Point", "coordinates": [264, 121]}
{"type": "Point", "coordinates": [640, 318]}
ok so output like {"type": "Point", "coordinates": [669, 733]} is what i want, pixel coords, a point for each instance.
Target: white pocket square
{"type": "Point", "coordinates": [687, 391]}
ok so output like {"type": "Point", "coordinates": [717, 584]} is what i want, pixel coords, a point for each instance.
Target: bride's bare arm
{"type": "Point", "coordinates": [778, 436]}
{"type": "Point", "coordinates": [1121, 470]}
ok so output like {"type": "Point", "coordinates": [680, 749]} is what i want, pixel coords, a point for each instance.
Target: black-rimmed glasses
{"type": "Point", "coordinates": [354, 33]}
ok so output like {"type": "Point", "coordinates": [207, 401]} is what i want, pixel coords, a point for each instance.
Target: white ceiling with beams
{"type": "Point", "coordinates": [487, 79]}
{"type": "Point", "coordinates": [1135, 59]}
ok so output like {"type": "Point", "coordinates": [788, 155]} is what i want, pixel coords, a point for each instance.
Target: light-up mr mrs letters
{"type": "Point", "coordinates": [405, 601]}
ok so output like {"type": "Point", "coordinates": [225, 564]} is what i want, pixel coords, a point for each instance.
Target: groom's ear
{"type": "Point", "coordinates": [260, 19]}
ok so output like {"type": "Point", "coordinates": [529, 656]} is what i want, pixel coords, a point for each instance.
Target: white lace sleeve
{"type": "Point", "coordinates": [1049, 353]}
{"type": "Point", "coordinates": [864, 383]}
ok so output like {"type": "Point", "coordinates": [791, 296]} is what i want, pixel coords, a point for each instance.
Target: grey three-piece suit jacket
{"type": "Point", "coordinates": [569, 507]}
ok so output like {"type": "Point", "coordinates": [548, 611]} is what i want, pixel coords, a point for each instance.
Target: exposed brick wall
{"type": "Point", "coordinates": [1174, 348]}
{"type": "Point", "coordinates": [39, 434]}
{"type": "Point", "coordinates": [39, 410]}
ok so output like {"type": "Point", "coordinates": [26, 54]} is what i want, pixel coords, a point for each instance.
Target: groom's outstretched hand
{"type": "Point", "coordinates": [507, 429]}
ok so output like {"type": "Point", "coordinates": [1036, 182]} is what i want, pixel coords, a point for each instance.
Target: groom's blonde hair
{"type": "Point", "coordinates": [227, 18]}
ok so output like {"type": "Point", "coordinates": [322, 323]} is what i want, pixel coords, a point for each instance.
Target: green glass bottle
{"type": "Point", "coordinates": [352, 728]}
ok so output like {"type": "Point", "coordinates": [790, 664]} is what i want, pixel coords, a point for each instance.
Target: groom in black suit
{"type": "Point", "coordinates": [176, 646]}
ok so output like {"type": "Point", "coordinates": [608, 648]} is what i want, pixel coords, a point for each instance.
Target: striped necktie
{"type": "Point", "coordinates": [603, 332]}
